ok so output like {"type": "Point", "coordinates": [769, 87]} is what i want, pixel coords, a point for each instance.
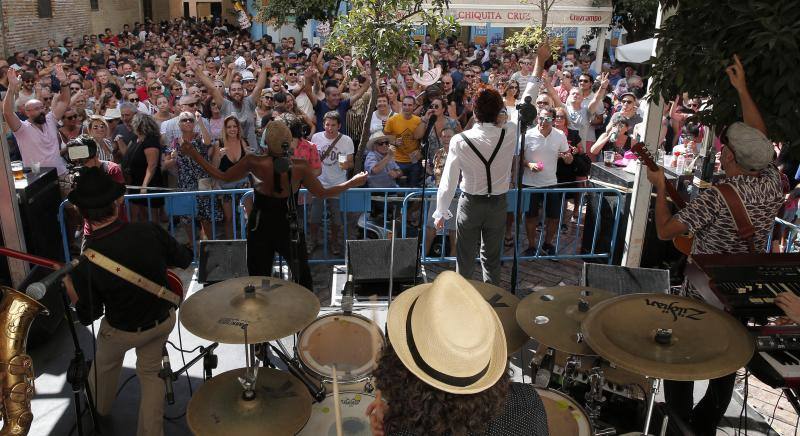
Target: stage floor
{"type": "Point", "coordinates": [54, 414]}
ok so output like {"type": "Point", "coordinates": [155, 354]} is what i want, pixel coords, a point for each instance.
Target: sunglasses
{"type": "Point", "coordinates": [542, 103]}
{"type": "Point", "coordinates": [98, 127]}
{"type": "Point", "coordinates": [187, 120]}
{"type": "Point", "coordinates": [292, 74]}
{"type": "Point", "coordinates": [584, 81]}
{"type": "Point", "coordinates": [71, 117]}
{"type": "Point", "coordinates": [29, 81]}
{"type": "Point", "coordinates": [75, 89]}
{"type": "Point", "coordinates": [545, 119]}
{"type": "Point", "coordinates": [155, 87]}
{"type": "Point", "coordinates": [133, 100]}
{"type": "Point", "coordinates": [267, 97]}
{"type": "Point", "coordinates": [469, 76]}
{"type": "Point", "coordinates": [382, 143]}
{"type": "Point", "coordinates": [188, 75]}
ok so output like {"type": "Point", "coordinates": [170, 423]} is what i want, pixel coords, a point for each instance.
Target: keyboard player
{"type": "Point", "coordinates": [747, 158]}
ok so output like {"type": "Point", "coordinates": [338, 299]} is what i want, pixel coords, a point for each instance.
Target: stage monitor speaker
{"type": "Point", "coordinates": [221, 260]}
{"type": "Point", "coordinates": [625, 280]}
{"type": "Point", "coordinates": [368, 262]}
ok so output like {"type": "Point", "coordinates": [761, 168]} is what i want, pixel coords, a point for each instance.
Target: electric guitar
{"type": "Point", "coordinates": [682, 242]}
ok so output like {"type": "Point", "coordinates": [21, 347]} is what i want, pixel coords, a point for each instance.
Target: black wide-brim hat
{"type": "Point", "coordinates": [94, 189]}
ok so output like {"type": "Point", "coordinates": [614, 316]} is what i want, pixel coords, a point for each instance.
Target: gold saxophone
{"type": "Point", "coordinates": [17, 312]}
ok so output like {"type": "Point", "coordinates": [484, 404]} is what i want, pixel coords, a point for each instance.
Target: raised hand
{"type": "Point", "coordinates": [543, 52]}
{"type": "Point", "coordinates": [358, 180]}
{"type": "Point", "coordinates": [736, 74]}
{"type": "Point", "coordinates": [60, 74]}
{"type": "Point", "coordinates": [604, 81]}
{"type": "Point", "coordinates": [13, 78]}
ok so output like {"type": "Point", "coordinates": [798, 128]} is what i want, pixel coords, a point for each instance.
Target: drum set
{"type": "Point", "coordinates": [599, 356]}
{"type": "Point", "coordinates": [257, 312]}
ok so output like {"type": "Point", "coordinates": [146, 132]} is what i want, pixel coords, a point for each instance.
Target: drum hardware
{"type": "Point", "coordinates": [564, 415]}
{"type": "Point", "coordinates": [595, 397]}
{"type": "Point", "coordinates": [317, 390]}
{"type": "Point", "coordinates": [542, 371]}
{"type": "Point", "coordinates": [570, 370]}
{"type": "Point", "coordinates": [655, 385]}
{"type": "Point", "coordinates": [209, 363]}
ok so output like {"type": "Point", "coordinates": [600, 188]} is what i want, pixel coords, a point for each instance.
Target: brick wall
{"type": "Point", "coordinates": [23, 29]}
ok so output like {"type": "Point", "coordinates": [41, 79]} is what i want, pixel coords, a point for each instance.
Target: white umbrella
{"type": "Point", "coordinates": [636, 52]}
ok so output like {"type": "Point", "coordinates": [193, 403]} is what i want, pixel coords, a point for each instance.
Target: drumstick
{"type": "Point", "coordinates": [337, 409]}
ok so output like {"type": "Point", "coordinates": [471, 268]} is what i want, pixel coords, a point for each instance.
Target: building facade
{"type": "Point", "coordinates": [28, 24]}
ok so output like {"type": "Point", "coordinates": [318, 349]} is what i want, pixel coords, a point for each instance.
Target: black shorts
{"type": "Point", "coordinates": [552, 203]}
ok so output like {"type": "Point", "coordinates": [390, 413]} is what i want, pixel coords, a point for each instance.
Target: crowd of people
{"type": "Point", "coordinates": [138, 95]}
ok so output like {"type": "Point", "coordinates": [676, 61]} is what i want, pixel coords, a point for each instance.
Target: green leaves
{"type": "Point", "coordinates": [698, 42]}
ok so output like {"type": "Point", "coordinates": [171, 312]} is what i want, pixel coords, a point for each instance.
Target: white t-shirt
{"type": "Point", "coordinates": [376, 124]}
{"type": "Point", "coordinates": [331, 173]}
{"type": "Point", "coordinates": [545, 149]}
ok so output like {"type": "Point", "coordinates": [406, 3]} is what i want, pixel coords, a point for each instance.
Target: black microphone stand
{"type": "Point", "coordinates": [423, 216]}
{"type": "Point", "coordinates": [78, 371]}
{"type": "Point", "coordinates": [526, 114]}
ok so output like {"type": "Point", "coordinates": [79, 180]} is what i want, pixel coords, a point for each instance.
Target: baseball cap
{"type": "Point", "coordinates": [753, 150]}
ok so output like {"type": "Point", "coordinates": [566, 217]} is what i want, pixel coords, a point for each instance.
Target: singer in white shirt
{"type": "Point", "coordinates": [483, 156]}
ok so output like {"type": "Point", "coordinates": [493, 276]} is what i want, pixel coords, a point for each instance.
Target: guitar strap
{"type": "Point", "coordinates": [735, 205]}
{"type": "Point", "coordinates": [131, 276]}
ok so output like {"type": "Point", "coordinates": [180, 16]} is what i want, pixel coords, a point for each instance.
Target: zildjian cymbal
{"type": "Point", "coordinates": [270, 309]}
{"type": "Point", "coordinates": [552, 316]}
{"type": "Point", "coordinates": [668, 337]}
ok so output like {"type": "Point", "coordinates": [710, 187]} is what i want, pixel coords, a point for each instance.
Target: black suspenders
{"type": "Point", "coordinates": [487, 164]}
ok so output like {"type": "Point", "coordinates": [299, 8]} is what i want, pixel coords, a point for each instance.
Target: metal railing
{"type": "Point", "coordinates": [792, 237]}
{"type": "Point", "coordinates": [359, 207]}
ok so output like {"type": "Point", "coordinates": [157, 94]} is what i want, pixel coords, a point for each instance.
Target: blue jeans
{"type": "Point", "coordinates": [413, 173]}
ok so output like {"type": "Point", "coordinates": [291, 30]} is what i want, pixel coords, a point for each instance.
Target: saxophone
{"type": "Point", "coordinates": [17, 312]}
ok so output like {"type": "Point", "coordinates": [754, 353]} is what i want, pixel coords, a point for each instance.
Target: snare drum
{"type": "Point", "coordinates": [355, 422]}
{"type": "Point", "coordinates": [351, 342]}
{"type": "Point", "coordinates": [564, 415]}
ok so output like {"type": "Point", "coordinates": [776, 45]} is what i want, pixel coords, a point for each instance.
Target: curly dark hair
{"type": "Point", "coordinates": [421, 409]}
{"type": "Point", "coordinates": [488, 105]}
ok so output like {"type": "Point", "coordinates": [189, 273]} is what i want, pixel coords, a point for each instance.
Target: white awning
{"type": "Point", "coordinates": [511, 13]}
{"type": "Point", "coordinates": [635, 52]}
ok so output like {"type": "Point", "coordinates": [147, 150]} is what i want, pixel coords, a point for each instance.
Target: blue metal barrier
{"type": "Point", "coordinates": [792, 236]}
{"type": "Point", "coordinates": [387, 202]}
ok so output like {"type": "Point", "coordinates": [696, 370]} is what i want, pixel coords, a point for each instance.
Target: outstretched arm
{"type": "Point", "coordinates": [750, 112]}
{"type": "Point", "coordinates": [8, 103]}
{"type": "Point", "coordinates": [315, 187]}
{"type": "Point", "coordinates": [236, 172]}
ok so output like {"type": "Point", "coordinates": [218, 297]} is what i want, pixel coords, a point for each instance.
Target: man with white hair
{"type": "Point", "coordinates": [38, 135]}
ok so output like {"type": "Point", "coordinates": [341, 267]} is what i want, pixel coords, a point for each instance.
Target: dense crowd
{"type": "Point", "coordinates": [136, 96]}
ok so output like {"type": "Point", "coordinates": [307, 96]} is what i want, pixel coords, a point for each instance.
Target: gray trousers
{"type": "Point", "coordinates": [480, 223]}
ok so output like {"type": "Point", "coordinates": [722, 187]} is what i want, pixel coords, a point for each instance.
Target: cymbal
{"type": "Point", "coordinates": [553, 316]}
{"type": "Point", "coordinates": [668, 337]}
{"type": "Point", "coordinates": [504, 304]}
{"type": "Point", "coordinates": [282, 405]}
{"type": "Point", "coordinates": [274, 309]}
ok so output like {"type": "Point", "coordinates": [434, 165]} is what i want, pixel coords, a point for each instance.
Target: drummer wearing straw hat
{"type": "Point", "coordinates": [439, 377]}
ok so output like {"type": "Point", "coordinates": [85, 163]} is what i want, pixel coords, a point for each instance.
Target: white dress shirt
{"type": "Point", "coordinates": [462, 160]}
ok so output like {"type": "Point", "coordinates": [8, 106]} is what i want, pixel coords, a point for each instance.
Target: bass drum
{"type": "Point", "coordinates": [564, 415]}
{"type": "Point", "coordinates": [351, 342]}
{"type": "Point", "coordinates": [355, 421]}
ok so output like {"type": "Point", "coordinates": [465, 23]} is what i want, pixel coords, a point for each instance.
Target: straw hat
{"type": "Point", "coordinates": [276, 133]}
{"type": "Point", "coordinates": [448, 336]}
{"type": "Point", "coordinates": [377, 136]}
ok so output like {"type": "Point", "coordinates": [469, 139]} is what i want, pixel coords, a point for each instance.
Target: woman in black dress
{"type": "Point", "coordinates": [142, 165]}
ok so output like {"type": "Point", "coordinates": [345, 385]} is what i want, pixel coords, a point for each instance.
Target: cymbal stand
{"type": "Point", "coordinates": [251, 371]}
{"type": "Point", "coordinates": [655, 385]}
